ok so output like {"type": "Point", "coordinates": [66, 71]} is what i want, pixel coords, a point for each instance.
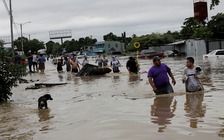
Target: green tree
{"type": "Point", "coordinates": [189, 25]}
{"type": "Point", "coordinates": [202, 33]}
{"type": "Point", "coordinates": [49, 47]}
{"type": "Point", "coordinates": [110, 37]}
{"type": "Point", "coordinates": [214, 3]}
{"type": "Point", "coordinates": [216, 25]}
{"type": "Point", "coordinates": [53, 48]}
{"type": "Point", "coordinates": [57, 49]}
{"type": "Point", "coordinates": [33, 45]}
{"type": "Point", "coordinates": [71, 46]}
{"type": "Point", "coordinates": [85, 42]}
{"type": "Point", "coordinates": [18, 43]}
{"type": "Point", "coordinates": [1, 43]}
{"type": "Point", "coordinates": [10, 75]}
{"type": "Point", "coordinates": [171, 36]}
{"type": "Point", "coordinates": [151, 40]}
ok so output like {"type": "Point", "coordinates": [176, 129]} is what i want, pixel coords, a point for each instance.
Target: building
{"type": "Point", "coordinates": [109, 47]}
{"type": "Point", "coordinates": [193, 47]}
{"type": "Point", "coordinates": [190, 47]}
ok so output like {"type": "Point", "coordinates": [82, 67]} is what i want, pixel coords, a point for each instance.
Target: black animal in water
{"type": "Point", "coordinates": [42, 101]}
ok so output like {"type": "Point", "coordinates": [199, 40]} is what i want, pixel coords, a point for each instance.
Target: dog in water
{"type": "Point", "coordinates": [42, 101]}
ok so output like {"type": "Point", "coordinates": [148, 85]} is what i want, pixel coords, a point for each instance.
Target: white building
{"type": "Point", "coordinates": [109, 47]}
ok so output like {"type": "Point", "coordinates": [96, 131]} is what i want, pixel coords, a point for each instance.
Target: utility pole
{"type": "Point", "coordinates": [21, 29]}
{"type": "Point", "coordinates": [31, 34]}
{"type": "Point", "coordinates": [11, 27]}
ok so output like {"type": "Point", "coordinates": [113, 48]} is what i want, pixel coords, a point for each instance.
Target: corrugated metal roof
{"type": "Point", "coordinates": [177, 43]}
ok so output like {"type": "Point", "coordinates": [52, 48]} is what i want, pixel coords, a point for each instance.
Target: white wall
{"type": "Point", "coordinates": [195, 48]}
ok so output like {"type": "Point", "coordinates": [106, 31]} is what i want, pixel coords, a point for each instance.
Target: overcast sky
{"type": "Point", "coordinates": [97, 17]}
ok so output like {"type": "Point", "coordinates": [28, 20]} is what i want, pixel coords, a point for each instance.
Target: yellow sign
{"type": "Point", "coordinates": [137, 45]}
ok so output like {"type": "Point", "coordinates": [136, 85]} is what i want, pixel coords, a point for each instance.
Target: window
{"type": "Point", "coordinates": [219, 53]}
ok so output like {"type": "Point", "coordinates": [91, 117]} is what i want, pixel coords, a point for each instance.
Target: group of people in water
{"type": "Point", "coordinates": [35, 61]}
{"type": "Point", "coordinates": [158, 74]}
{"type": "Point", "coordinates": [159, 80]}
{"type": "Point", "coordinates": [74, 65]}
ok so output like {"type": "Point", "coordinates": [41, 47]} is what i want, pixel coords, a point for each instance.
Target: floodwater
{"type": "Point", "coordinates": [115, 107]}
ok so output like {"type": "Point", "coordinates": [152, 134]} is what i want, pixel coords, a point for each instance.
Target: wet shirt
{"type": "Point", "coordinates": [41, 59]}
{"type": "Point", "coordinates": [193, 84]}
{"type": "Point", "coordinates": [159, 74]}
{"type": "Point", "coordinates": [99, 61]}
{"type": "Point", "coordinates": [104, 61]}
{"type": "Point", "coordinates": [85, 62]}
{"type": "Point", "coordinates": [68, 65]}
{"type": "Point", "coordinates": [34, 58]}
{"type": "Point", "coordinates": [132, 65]}
{"type": "Point", "coordinates": [115, 65]}
{"type": "Point", "coordinates": [29, 56]}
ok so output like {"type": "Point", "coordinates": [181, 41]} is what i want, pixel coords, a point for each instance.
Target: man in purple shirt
{"type": "Point", "coordinates": [158, 78]}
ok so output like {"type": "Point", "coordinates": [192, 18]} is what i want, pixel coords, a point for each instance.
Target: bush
{"type": "Point", "coordinates": [10, 75]}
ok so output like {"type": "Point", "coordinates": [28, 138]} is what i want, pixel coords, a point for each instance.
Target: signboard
{"type": "Point", "coordinates": [58, 34]}
{"type": "Point", "coordinates": [137, 45]}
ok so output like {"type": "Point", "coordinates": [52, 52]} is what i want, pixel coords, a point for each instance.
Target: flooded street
{"type": "Point", "coordinates": [115, 107]}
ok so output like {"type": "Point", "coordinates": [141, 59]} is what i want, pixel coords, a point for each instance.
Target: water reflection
{"type": "Point", "coordinates": [134, 79]}
{"type": "Point", "coordinates": [77, 80]}
{"type": "Point", "coordinates": [115, 79]}
{"type": "Point", "coordinates": [12, 122]}
{"type": "Point", "coordinates": [44, 116]}
{"type": "Point", "coordinates": [194, 108]}
{"type": "Point", "coordinates": [221, 131]}
{"type": "Point", "coordinates": [90, 79]}
{"type": "Point", "coordinates": [207, 70]}
{"type": "Point", "coordinates": [69, 77]}
{"type": "Point", "coordinates": [60, 76]}
{"type": "Point", "coordinates": [163, 110]}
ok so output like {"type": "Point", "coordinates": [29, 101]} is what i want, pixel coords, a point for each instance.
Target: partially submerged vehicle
{"type": "Point", "coordinates": [214, 55]}
{"type": "Point", "coordinates": [171, 53]}
{"type": "Point", "coordinates": [148, 54]}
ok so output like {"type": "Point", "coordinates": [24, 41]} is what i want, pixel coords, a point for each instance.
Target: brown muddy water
{"type": "Point", "coordinates": [115, 107]}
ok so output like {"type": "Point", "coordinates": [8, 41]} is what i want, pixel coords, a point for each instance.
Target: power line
{"type": "Point", "coordinates": [6, 7]}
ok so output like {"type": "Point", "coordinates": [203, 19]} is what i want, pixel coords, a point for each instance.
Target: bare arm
{"type": "Point", "coordinates": [172, 77]}
{"type": "Point", "coordinates": [152, 84]}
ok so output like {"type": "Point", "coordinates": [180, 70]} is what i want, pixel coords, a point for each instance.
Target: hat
{"type": "Point", "coordinates": [155, 58]}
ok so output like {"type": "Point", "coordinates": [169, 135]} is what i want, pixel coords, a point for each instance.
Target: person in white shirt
{"type": "Point", "coordinates": [35, 68]}
{"type": "Point", "coordinates": [191, 76]}
{"type": "Point", "coordinates": [85, 61]}
{"type": "Point", "coordinates": [99, 60]}
{"type": "Point", "coordinates": [115, 64]}
{"type": "Point", "coordinates": [104, 60]}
